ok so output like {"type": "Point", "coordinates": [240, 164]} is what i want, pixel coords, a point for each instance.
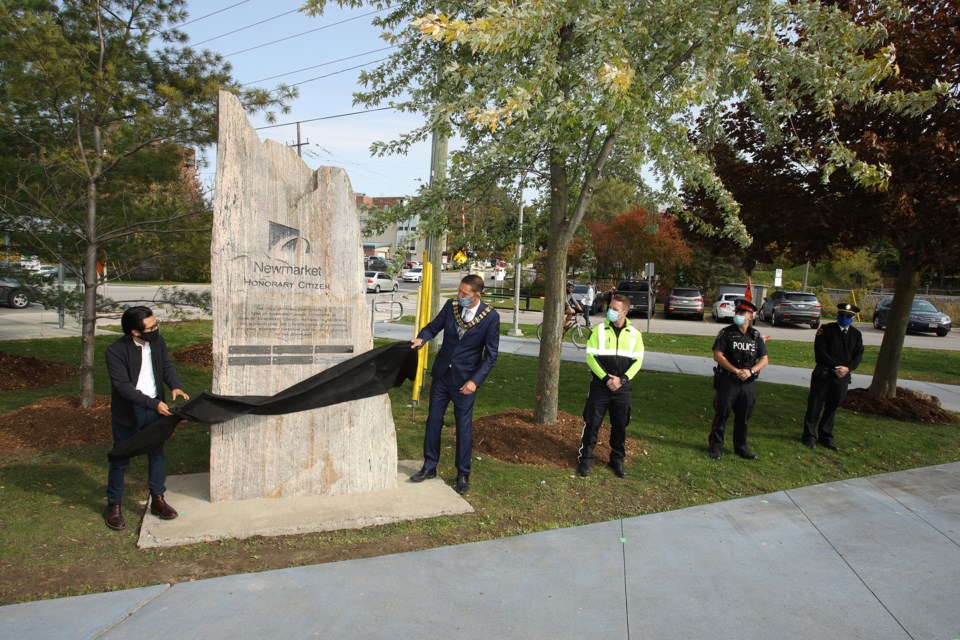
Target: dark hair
{"type": "Point", "coordinates": [133, 318]}
{"type": "Point", "coordinates": [473, 281]}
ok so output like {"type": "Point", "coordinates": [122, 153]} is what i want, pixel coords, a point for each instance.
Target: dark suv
{"type": "Point", "coordinates": [640, 299]}
{"type": "Point", "coordinates": [684, 301]}
{"type": "Point", "coordinates": [796, 307]}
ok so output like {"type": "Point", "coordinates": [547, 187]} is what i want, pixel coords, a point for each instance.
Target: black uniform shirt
{"type": "Point", "coordinates": [742, 350]}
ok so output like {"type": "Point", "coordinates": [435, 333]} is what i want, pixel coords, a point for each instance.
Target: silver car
{"type": "Point", "coordinates": [378, 281]}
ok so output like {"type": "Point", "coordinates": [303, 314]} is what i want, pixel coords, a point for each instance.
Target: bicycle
{"type": "Point", "coordinates": [577, 328]}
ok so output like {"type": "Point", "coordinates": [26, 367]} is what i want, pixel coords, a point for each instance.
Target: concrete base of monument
{"type": "Point", "coordinates": [201, 520]}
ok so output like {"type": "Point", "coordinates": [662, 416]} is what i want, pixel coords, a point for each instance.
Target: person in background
{"type": "Point", "coordinates": [740, 353]}
{"type": "Point", "coordinates": [471, 340]}
{"type": "Point", "coordinates": [138, 365]}
{"type": "Point", "coordinates": [587, 302]}
{"type": "Point", "coordinates": [614, 356]}
{"type": "Point", "coordinates": [572, 306]}
{"type": "Point", "coordinates": [838, 350]}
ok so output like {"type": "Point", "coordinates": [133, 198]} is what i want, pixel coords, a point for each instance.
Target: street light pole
{"type": "Point", "coordinates": [516, 270]}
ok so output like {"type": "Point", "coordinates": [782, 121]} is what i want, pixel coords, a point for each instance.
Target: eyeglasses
{"type": "Point", "coordinates": [155, 327]}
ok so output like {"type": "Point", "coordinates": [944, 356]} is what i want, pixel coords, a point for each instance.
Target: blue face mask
{"type": "Point", "coordinates": [465, 302]}
{"type": "Point", "coordinates": [739, 320]}
{"type": "Point", "coordinates": [844, 321]}
{"type": "Point", "coordinates": [612, 316]}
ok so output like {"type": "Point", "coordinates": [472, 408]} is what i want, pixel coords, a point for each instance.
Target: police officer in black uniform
{"type": "Point", "coordinates": [740, 353]}
{"type": "Point", "coordinates": [838, 349]}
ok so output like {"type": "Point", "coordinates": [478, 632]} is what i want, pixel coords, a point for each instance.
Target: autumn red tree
{"type": "Point", "coordinates": [787, 202]}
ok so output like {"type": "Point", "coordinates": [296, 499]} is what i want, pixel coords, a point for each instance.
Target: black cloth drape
{"type": "Point", "coordinates": [364, 376]}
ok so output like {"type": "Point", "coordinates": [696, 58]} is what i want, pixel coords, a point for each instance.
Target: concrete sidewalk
{"type": "Point", "coordinates": [949, 395]}
{"type": "Point", "coordinates": [871, 558]}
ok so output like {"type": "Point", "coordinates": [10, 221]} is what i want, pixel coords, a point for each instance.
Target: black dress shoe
{"type": "Point", "coordinates": [160, 508]}
{"type": "Point", "coordinates": [617, 467]}
{"type": "Point", "coordinates": [424, 474]}
{"type": "Point", "coordinates": [583, 468]}
{"type": "Point", "coordinates": [746, 454]}
{"type": "Point", "coordinates": [463, 483]}
{"type": "Point", "coordinates": [715, 455]}
{"type": "Point", "coordinates": [810, 444]}
{"type": "Point", "coordinates": [113, 516]}
{"type": "Point", "coordinates": [830, 445]}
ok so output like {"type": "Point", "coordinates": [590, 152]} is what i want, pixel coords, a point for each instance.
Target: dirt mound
{"type": "Point", "coordinates": [197, 355]}
{"type": "Point", "coordinates": [908, 406]}
{"type": "Point", "coordinates": [23, 372]}
{"type": "Point", "coordinates": [55, 422]}
{"type": "Point", "coordinates": [512, 436]}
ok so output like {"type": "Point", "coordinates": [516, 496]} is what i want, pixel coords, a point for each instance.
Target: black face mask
{"type": "Point", "coordinates": [150, 336]}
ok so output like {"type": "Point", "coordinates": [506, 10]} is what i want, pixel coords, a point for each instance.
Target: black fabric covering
{"type": "Point", "coordinates": [369, 374]}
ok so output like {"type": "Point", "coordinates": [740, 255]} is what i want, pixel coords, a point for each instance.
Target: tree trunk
{"type": "Point", "coordinates": [89, 326]}
{"type": "Point", "coordinates": [548, 370]}
{"type": "Point", "coordinates": [884, 384]}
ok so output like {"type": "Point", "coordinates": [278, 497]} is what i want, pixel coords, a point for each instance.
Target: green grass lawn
{"type": "Point", "coordinates": [53, 541]}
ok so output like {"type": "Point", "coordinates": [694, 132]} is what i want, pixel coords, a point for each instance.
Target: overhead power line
{"type": "Point", "coordinates": [297, 35]}
{"type": "Point", "coordinates": [249, 26]}
{"type": "Point", "coordinates": [322, 64]}
{"type": "Point", "coordinates": [334, 73]}
{"type": "Point", "coordinates": [339, 115]}
{"type": "Point", "coordinates": [183, 24]}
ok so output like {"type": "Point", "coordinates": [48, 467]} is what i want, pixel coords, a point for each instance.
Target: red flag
{"type": "Point", "coordinates": [748, 294]}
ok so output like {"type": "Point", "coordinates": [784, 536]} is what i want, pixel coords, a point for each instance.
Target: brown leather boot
{"type": "Point", "coordinates": [113, 516]}
{"type": "Point", "coordinates": [160, 508]}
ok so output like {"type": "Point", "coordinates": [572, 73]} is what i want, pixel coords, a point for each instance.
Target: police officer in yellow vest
{"type": "Point", "coordinates": [614, 355]}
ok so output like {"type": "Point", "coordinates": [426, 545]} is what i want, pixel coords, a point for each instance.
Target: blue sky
{"type": "Point", "coordinates": [230, 28]}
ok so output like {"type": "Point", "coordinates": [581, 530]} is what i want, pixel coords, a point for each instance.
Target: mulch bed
{"type": "Point", "coordinates": [23, 372]}
{"type": "Point", "coordinates": [908, 406]}
{"type": "Point", "coordinates": [197, 355]}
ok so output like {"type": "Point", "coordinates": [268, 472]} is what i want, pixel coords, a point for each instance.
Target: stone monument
{"type": "Point", "coordinates": [288, 302]}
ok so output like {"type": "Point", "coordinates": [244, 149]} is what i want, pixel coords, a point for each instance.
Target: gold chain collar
{"type": "Point", "coordinates": [464, 326]}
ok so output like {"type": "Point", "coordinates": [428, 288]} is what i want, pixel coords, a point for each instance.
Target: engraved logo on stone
{"type": "Point", "coordinates": [284, 241]}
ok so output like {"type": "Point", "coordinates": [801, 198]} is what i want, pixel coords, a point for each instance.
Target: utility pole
{"type": "Point", "coordinates": [517, 268]}
{"type": "Point", "coordinates": [438, 173]}
{"type": "Point", "coordinates": [299, 144]}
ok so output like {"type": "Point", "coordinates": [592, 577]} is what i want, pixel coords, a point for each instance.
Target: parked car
{"type": "Point", "coordinates": [375, 263]}
{"type": "Point", "coordinates": [410, 264]}
{"type": "Point", "coordinates": [795, 307]}
{"type": "Point", "coordinates": [684, 301]}
{"type": "Point", "coordinates": [724, 307]}
{"type": "Point", "coordinates": [14, 293]}
{"type": "Point", "coordinates": [15, 289]}
{"type": "Point", "coordinates": [640, 299]}
{"type": "Point", "coordinates": [580, 292]}
{"type": "Point", "coordinates": [414, 275]}
{"type": "Point", "coordinates": [924, 317]}
{"type": "Point", "coordinates": [378, 281]}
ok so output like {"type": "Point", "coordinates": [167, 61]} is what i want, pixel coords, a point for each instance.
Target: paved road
{"type": "Point", "coordinates": [406, 297]}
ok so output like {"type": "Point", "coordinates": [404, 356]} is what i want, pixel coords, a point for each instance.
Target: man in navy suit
{"type": "Point", "coordinates": [138, 365]}
{"type": "Point", "coordinates": [471, 339]}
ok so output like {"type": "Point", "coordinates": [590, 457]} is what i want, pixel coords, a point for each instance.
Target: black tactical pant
{"type": "Point", "coordinates": [599, 401]}
{"type": "Point", "coordinates": [738, 397]}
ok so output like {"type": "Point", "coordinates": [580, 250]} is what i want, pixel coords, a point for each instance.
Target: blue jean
{"type": "Point", "coordinates": [156, 462]}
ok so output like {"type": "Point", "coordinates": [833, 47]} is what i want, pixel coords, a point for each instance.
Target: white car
{"type": "Point", "coordinates": [378, 281]}
{"type": "Point", "coordinates": [723, 307]}
{"type": "Point", "coordinates": [414, 275]}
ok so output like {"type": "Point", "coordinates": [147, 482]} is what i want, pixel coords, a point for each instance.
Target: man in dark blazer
{"type": "Point", "coordinates": [838, 350]}
{"type": "Point", "coordinates": [471, 339]}
{"type": "Point", "coordinates": [138, 365]}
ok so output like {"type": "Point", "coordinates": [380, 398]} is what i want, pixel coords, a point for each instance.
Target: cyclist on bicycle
{"type": "Point", "coordinates": [573, 306]}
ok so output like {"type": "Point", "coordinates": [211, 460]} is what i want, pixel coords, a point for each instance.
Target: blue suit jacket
{"type": "Point", "coordinates": [471, 357]}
